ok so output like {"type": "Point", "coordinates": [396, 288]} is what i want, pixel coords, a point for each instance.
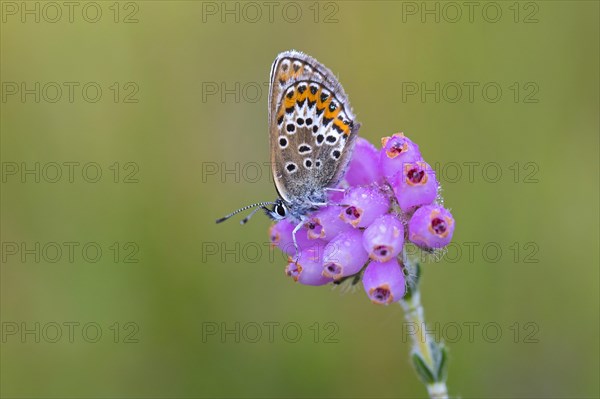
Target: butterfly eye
{"type": "Point", "coordinates": [280, 210]}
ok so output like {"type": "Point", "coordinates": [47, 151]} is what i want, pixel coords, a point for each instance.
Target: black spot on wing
{"type": "Point", "coordinates": [303, 148]}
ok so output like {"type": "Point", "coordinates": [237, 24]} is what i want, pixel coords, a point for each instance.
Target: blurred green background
{"type": "Point", "coordinates": [184, 101]}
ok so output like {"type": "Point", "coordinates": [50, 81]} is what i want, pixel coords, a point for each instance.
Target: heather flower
{"type": "Point", "coordinates": [387, 197]}
{"type": "Point", "coordinates": [281, 236]}
{"type": "Point", "coordinates": [431, 227]}
{"type": "Point", "coordinates": [415, 185]}
{"type": "Point", "coordinates": [309, 267]}
{"type": "Point", "coordinates": [364, 166]}
{"type": "Point", "coordinates": [344, 255]}
{"type": "Point", "coordinates": [326, 223]}
{"type": "Point", "coordinates": [384, 238]}
{"type": "Point", "coordinates": [396, 151]}
{"type": "Point", "coordinates": [364, 205]}
{"type": "Point", "coordinates": [384, 282]}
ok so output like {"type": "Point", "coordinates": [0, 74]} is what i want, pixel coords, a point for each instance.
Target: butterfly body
{"type": "Point", "coordinates": [312, 131]}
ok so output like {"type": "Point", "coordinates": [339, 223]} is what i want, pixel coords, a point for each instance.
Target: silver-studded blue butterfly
{"type": "Point", "coordinates": [312, 131]}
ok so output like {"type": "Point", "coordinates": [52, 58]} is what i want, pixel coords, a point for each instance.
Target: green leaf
{"type": "Point", "coordinates": [442, 369]}
{"type": "Point", "coordinates": [422, 370]}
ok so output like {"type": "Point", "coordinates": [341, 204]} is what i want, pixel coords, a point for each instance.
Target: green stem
{"type": "Point", "coordinates": [429, 357]}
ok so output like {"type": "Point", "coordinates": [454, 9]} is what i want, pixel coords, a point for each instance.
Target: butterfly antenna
{"type": "Point", "coordinates": [260, 204]}
{"type": "Point", "coordinates": [245, 220]}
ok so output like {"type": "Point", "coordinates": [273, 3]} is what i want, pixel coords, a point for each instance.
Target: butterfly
{"type": "Point", "coordinates": [312, 131]}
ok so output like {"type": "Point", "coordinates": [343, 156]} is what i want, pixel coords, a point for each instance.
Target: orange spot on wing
{"type": "Point", "coordinates": [290, 102]}
{"type": "Point", "coordinates": [283, 75]}
{"type": "Point", "coordinates": [330, 114]}
{"type": "Point", "coordinates": [340, 124]}
{"type": "Point", "coordinates": [303, 96]}
{"type": "Point", "coordinates": [320, 103]}
{"type": "Point", "coordinates": [311, 97]}
{"type": "Point", "coordinates": [297, 73]}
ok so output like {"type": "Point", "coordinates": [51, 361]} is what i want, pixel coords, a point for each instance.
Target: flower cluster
{"type": "Point", "coordinates": [388, 197]}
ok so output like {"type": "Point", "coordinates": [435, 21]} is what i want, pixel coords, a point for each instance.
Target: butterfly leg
{"type": "Point", "coordinates": [298, 226]}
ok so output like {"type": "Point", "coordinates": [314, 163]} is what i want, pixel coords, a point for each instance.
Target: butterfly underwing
{"type": "Point", "coordinates": [312, 131]}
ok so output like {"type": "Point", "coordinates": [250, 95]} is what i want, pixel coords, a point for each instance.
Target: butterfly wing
{"type": "Point", "coordinates": [311, 125]}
